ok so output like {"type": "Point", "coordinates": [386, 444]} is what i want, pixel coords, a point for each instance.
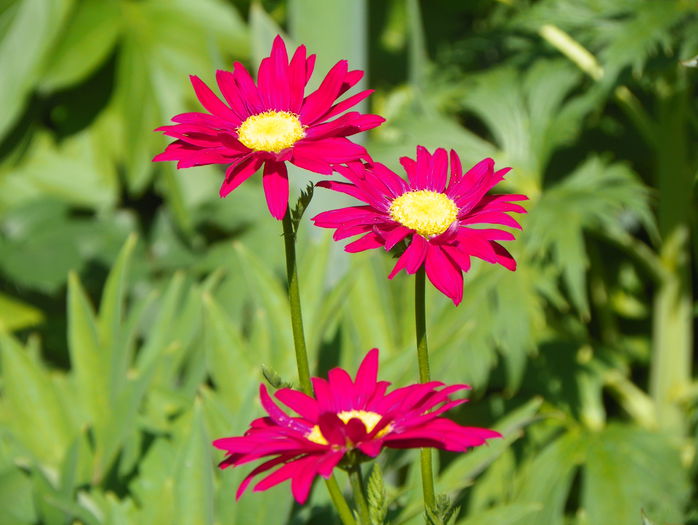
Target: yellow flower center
{"type": "Point", "coordinates": [315, 435]}
{"type": "Point", "coordinates": [429, 213]}
{"type": "Point", "coordinates": [271, 131]}
{"type": "Point", "coordinates": [369, 419]}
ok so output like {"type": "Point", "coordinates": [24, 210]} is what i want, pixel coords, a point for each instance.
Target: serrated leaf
{"type": "Point", "coordinates": [466, 467]}
{"type": "Point", "coordinates": [377, 501]}
{"type": "Point", "coordinates": [502, 515]}
{"type": "Point", "coordinates": [546, 480]}
{"type": "Point", "coordinates": [593, 197]}
{"type": "Point", "coordinates": [299, 209]}
{"type": "Point", "coordinates": [629, 469]}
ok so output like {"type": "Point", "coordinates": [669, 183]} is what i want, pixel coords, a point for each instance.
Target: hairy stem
{"type": "Point", "coordinates": [357, 486]}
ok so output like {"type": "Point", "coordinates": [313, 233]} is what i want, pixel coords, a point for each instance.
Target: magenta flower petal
{"type": "Point", "coordinates": [211, 102]}
{"type": "Point", "coordinates": [367, 374]}
{"type": "Point", "coordinates": [345, 414]}
{"type": "Point", "coordinates": [394, 236]}
{"type": "Point", "coordinates": [271, 122]}
{"type": "Point", "coordinates": [319, 101]}
{"type": "Point", "coordinates": [299, 402]}
{"type": "Point", "coordinates": [430, 213]}
{"type": "Point", "coordinates": [334, 149]}
{"type": "Point", "coordinates": [239, 172]}
{"type": "Point", "coordinates": [444, 274]}
{"type": "Point", "coordinates": [367, 242]}
{"type": "Point", "coordinates": [275, 182]}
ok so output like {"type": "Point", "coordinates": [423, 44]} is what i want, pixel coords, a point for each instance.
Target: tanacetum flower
{"type": "Point", "coordinates": [432, 213]}
{"type": "Point", "coordinates": [344, 417]}
{"type": "Point", "coordinates": [271, 123]}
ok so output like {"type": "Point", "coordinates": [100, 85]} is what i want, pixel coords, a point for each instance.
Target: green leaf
{"type": "Point", "coordinates": [55, 507]}
{"type": "Point", "coordinates": [442, 512]}
{"type": "Point", "coordinates": [646, 520]}
{"type": "Point", "coordinates": [528, 118]}
{"type": "Point", "coordinates": [466, 467]}
{"type": "Point", "coordinates": [90, 360]}
{"type": "Point", "coordinates": [596, 196]}
{"type": "Point", "coordinates": [39, 247]}
{"type": "Point", "coordinates": [87, 38]}
{"type": "Point", "coordinates": [16, 498]}
{"type": "Point", "coordinates": [193, 475]}
{"type": "Point", "coordinates": [227, 351]}
{"type": "Point", "coordinates": [24, 44]}
{"type": "Point", "coordinates": [417, 61]}
{"type": "Point", "coordinates": [630, 469]}
{"type": "Point", "coordinates": [502, 515]}
{"type": "Point", "coordinates": [299, 209]}
{"type": "Point", "coordinates": [547, 479]}
{"type": "Point", "coordinates": [375, 326]}
{"type": "Point", "coordinates": [75, 170]}
{"type": "Point", "coordinates": [646, 28]}
{"type": "Point", "coordinates": [155, 484]}
{"type": "Point", "coordinates": [164, 43]}
{"type": "Point", "coordinates": [112, 337]}
{"type": "Point", "coordinates": [405, 129]}
{"type": "Point", "coordinates": [160, 331]}
{"type": "Point", "coordinates": [271, 296]}
{"type": "Point", "coordinates": [342, 35]}
{"type": "Point", "coordinates": [377, 501]}
{"type": "Point", "coordinates": [38, 419]}
{"type": "Point", "coordinates": [263, 29]}
{"type": "Point", "coordinates": [17, 315]}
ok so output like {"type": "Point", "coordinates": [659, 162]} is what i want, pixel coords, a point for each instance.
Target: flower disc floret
{"type": "Point", "coordinates": [369, 419]}
{"type": "Point", "coordinates": [272, 131]}
{"type": "Point", "coordinates": [427, 212]}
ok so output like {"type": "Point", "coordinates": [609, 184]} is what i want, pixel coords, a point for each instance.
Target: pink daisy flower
{"type": "Point", "coordinates": [271, 123]}
{"type": "Point", "coordinates": [345, 416]}
{"type": "Point", "coordinates": [431, 212]}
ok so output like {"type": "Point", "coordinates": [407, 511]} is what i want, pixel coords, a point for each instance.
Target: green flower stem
{"type": "Point", "coordinates": [424, 377]}
{"type": "Point", "coordinates": [302, 353]}
{"type": "Point", "coordinates": [357, 485]}
{"type": "Point", "coordinates": [294, 300]}
{"type": "Point", "coordinates": [340, 503]}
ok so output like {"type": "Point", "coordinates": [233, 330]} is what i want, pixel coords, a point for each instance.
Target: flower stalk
{"type": "Point", "coordinates": [294, 300]}
{"type": "Point", "coordinates": [301, 350]}
{"type": "Point", "coordinates": [359, 490]}
{"type": "Point", "coordinates": [424, 377]}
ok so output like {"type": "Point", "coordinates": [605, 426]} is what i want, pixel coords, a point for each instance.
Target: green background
{"type": "Point", "coordinates": [137, 308]}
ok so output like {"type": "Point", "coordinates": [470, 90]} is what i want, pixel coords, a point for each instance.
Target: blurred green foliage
{"type": "Point", "coordinates": [582, 358]}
